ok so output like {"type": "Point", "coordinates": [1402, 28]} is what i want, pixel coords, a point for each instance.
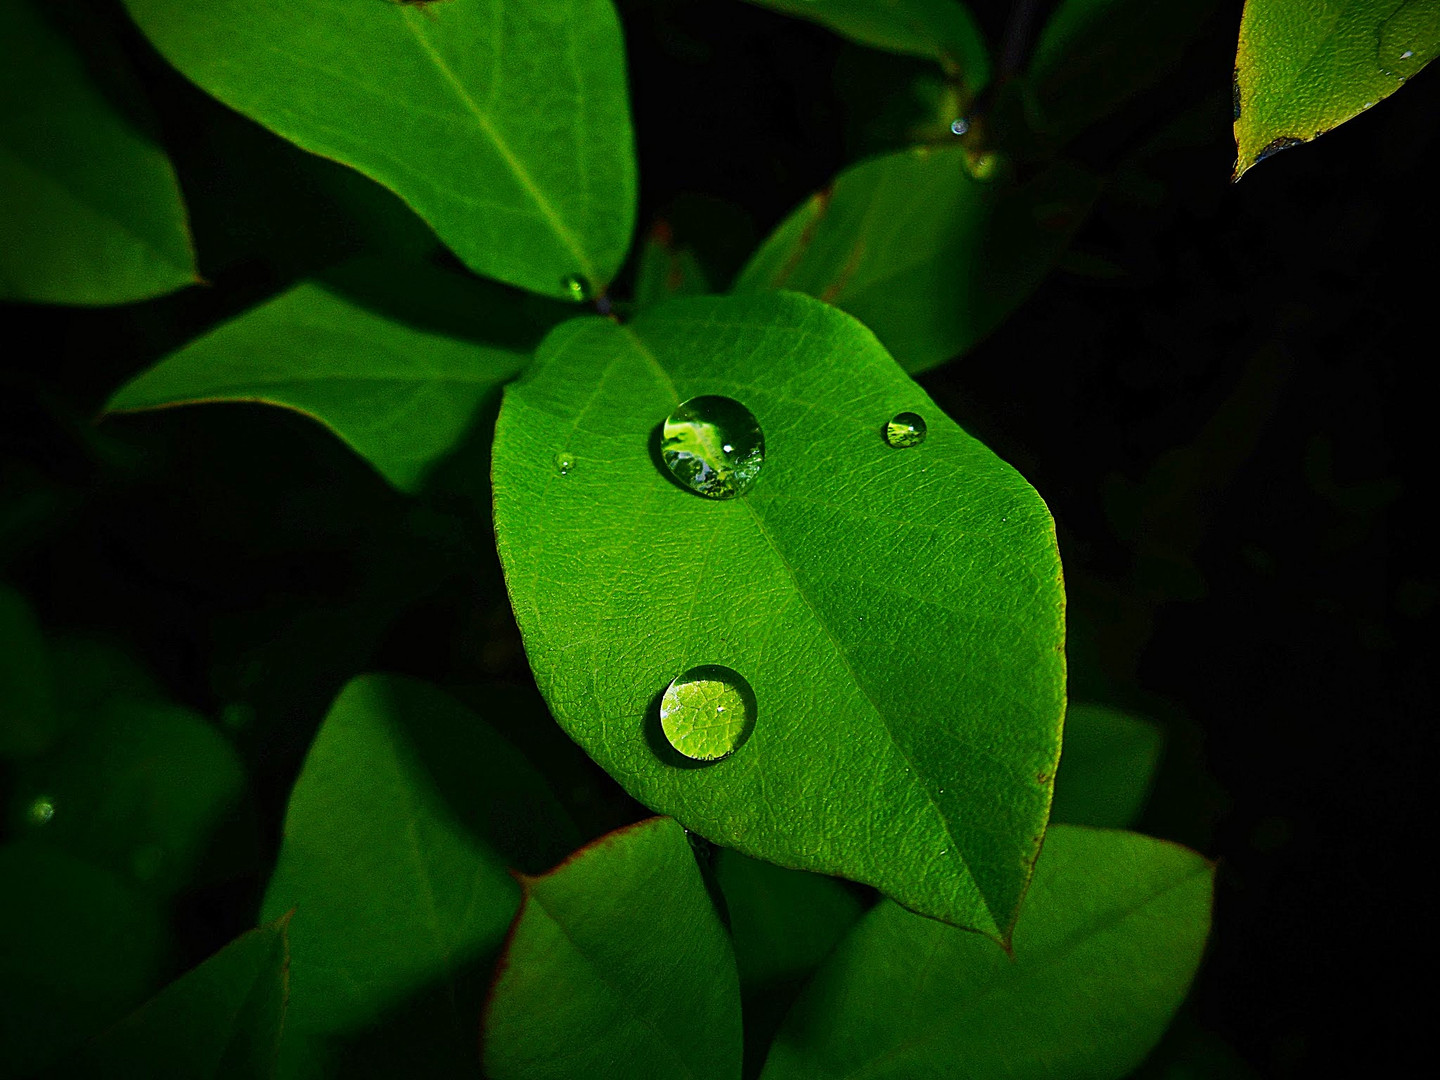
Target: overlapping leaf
{"type": "Point", "coordinates": [402, 392]}
{"type": "Point", "coordinates": [1106, 767]}
{"type": "Point", "coordinates": [617, 966]}
{"type": "Point", "coordinates": [1104, 951]}
{"type": "Point", "coordinates": [505, 126]}
{"type": "Point", "coordinates": [91, 211]}
{"type": "Point", "coordinates": [940, 30]}
{"type": "Point", "coordinates": [27, 688]}
{"type": "Point", "coordinates": [897, 613]}
{"type": "Point", "coordinates": [919, 250]}
{"type": "Point", "coordinates": [1305, 66]}
{"type": "Point", "coordinates": [222, 1019]}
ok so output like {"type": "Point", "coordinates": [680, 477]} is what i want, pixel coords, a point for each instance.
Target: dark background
{"type": "Point", "coordinates": [1221, 397]}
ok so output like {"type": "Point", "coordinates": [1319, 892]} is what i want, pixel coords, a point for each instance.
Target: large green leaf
{"type": "Point", "coordinates": [91, 211]}
{"type": "Point", "coordinates": [1104, 952]}
{"type": "Point", "coordinates": [401, 392]}
{"type": "Point", "coordinates": [920, 251]}
{"type": "Point", "coordinates": [1106, 767]}
{"type": "Point", "coordinates": [396, 842]}
{"type": "Point", "coordinates": [617, 967]}
{"type": "Point", "coordinates": [1305, 66]}
{"type": "Point", "coordinates": [78, 950]}
{"type": "Point", "coordinates": [28, 717]}
{"type": "Point", "coordinates": [139, 788]}
{"type": "Point", "coordinates": [940, 30]}
{"type": "Point", "coordinates": [1094, 54]}
{"type": "Point", "coordinates": [505, 126]}
{"type": "Point", "coordinates": [898, 613]}
{"type": "Point", "coordinates": [221, 1020]}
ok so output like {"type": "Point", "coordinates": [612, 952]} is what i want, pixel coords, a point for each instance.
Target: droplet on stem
{"type": "Point", "coordinates": [714, 446]}
{"type": "Point", "coordinates": [708, 712]}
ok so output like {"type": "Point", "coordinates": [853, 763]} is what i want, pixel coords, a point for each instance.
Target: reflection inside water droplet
{"type": "Point", "coordinates": [577, 287]}
{"type": "Point", "coordinates": [708, 712]}
{"type": "Point", "coordinates": [40, 811]}
{"type": "Point", "coordinates": [564, 463]}
{"type": "Point", "coordinates": [959, 126]}
{"type": "Point", "coordinates": [905, 430]}
{"type": "Point", "coordinates": [714, 446]}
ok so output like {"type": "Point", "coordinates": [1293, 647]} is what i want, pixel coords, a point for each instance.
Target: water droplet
{"type": "Point", "coordinates": [905, 430]}
{"type": "Point", "coordinates": [1407, 54]}
{"type": "Point", "coordinates": [714, 446]}
{"type": "Point", "coordinates": [577, 287]}
{"type": "Point", "coordinates": [708, 712]}
{"type": "Point", "coordinates": [40, 811]}
{"type": "Point", "coordinates": [959, 126]}
{"type": "Point", "coordinates": [564, 463]}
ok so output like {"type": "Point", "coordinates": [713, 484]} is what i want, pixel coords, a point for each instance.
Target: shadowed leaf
{"type": "Point", "coordinates": [1106, 767]}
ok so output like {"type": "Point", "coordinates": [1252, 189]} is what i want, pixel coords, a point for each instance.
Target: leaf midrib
{"type": "Point", "coordinates": [954, 847]}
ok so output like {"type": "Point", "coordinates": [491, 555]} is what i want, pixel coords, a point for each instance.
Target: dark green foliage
{"type": "Point", "coordinates": [420, 221]}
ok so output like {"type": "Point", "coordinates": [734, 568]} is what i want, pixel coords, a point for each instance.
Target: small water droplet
{"type": "Point", "coordinates": [714, 446]}
{"type": "Point", "coordinates": [564, 463]}
{"type": "Point", "coordinates": [905, 430]}
{"type": "Point", "coordinates": [708, 712]}
{"type": "Point", "coordinates": [577, 287]}
{"type": "Point", "coordinates": [959, 126]}
{"type": "Point", "coordinates": [1407, 54]}
{"type": "Point", "coordinates": [40, 811]}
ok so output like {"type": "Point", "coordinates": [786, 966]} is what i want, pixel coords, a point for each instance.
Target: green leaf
{"type": "Point", "coordinates": [783, 924]}
{"type": "Point", "coordinates": [401, 391]}
{"type": "Point", "coordinates": [617, 966]}
{"type": "Point", "coordinates": [1093, 55]}
{"type": "Point", "coordinates": [78, 949]}
{"type": "Point", "coordinates": [392, 861]}
{"type": "Point", "coordinates": [940, 30]}
{"type": "Point", "coordinates": [28, 720]}
{"type": "Point", "coordinates": [928, 257]}
{"type": "Point", "coordinates": [92, 211]}
{"type": "Point", "coordinates": [1305, 66]}
{"type": "Point", "coordinates": [1106, 767]}
{"type": "Point", "coordinates": [139, 788]}
{"type": "Point", "coordinates": [898, 614]}
{"type": "Point", "coordinates": [666, 270]}
{"type": "Point", "coordinates": [222, 1019]}
{"type": "Point", "coordinates": [1104, 952]}
{"type": "Point", "coordinates": [505, 126]}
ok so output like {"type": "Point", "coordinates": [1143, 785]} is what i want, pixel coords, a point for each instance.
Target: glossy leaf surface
{"type": "Point", "coordinates": [400, 392]}
{"type": "Point", "coordinates": [1106, 767]}
{"type": "Point", "coordinates": [92, 212]}
{"type": "Point", "coordinates": [928, 257]}
{"type": "Point", "coordinates": [505, 126]}
{"type": "Point", "coordinates": [940, 30]}
{"type": "Point", "coordinates": [1305, 66]}
{"type": "Point", "coordinates": [617, 967]}
{"type": "Point", "coordinates": [1104, 951]}
{"type": "Point", "coordinates": [222, 1019]}
{"type": "Point", "coordinates": [898, 614]}
{"type": "Point", "coordinates": [392, 861]}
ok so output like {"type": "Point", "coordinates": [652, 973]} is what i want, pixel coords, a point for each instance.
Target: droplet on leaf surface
{"type": "Point", "coordinates": [564, 463]}
{"type": "Point", "coordinates": [714, 446]}
{"type": "Point", "coordinates": [577, 288]}
{"type": "Point", "coordinates": [905, 430]}
{"type": "Point", "coordinates": [959, 126]}
{"type": "Point", "coordinates": [708, 712]}
{"type": "Point", "coordinates": [41, 811]}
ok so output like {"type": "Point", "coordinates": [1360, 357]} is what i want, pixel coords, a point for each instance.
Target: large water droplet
{"type": "Point", "coordinates": [40, 811]}
{"type": "Point", "coordinates": [959, 126]}
{"type": "Point", "coordinates": [905, 430]}
{"type": "Point", "coordinates": [577, 287]}
{"type": "Point", "coordinates": [714, 446]}
{"type": "Point", "coordinates": [708, 712]}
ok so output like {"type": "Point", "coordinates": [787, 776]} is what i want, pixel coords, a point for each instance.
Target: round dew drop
{"type": "Point", "coordinates": [577, 288]}
{"type": "Point", "coordinates": [959, 126]}
{"type": "Point", "coordinates": [564, 463]}
{"type": "Point", "coordinates": [713, 446]}
{"type": "Point", "coordinates": [708, 712]}
{"type": "Point", "coordinates": [907, 429]}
